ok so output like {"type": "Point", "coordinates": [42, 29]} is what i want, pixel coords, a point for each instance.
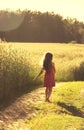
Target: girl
{"type": "Point", "coordinates": [49, 76]}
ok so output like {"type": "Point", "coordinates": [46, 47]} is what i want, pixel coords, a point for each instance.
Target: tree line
{"type": "Point", "coordinates": [35, 26]}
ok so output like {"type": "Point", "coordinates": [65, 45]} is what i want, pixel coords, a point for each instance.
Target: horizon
{"type": "Point", "coordinates": [72, 9]}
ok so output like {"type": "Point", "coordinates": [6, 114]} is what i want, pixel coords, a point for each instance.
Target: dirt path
{"type": "Point", "coordinates": [23, 107]}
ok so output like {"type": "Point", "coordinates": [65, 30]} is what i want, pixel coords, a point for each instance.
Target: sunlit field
{"type": "Point", "coordinates": [66, 56]}
{"type": "Point", "coordinates": [20, 62]}
{"type": "Point", "coordinates": [65, 112]}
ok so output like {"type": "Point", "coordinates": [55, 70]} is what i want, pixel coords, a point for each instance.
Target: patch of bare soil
{"type": "Point", "coordinates": [23, 107]}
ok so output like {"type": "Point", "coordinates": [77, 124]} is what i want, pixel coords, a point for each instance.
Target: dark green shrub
{"type": "Point", "coordinates": [79, 72]}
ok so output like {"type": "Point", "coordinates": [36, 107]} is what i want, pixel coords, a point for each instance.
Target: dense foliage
{"type": "Point", "coordinates": [35, 26]}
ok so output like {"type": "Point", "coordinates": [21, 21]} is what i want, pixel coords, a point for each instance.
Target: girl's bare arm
{"type": "Point", "coordinates": [41, 71]}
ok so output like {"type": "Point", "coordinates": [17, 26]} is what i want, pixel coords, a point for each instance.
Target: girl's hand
{"type": "Point", "coordinates": [34, 79]}
{"type": "Point", "coordinates": [41, 71]}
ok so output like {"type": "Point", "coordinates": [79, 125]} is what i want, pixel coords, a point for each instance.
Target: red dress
{"type": "Point", "coordinates": [49, 78]}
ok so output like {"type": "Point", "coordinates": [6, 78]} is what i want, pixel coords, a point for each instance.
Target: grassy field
{"type": "Point", "coordinates": [65, 112]}
{"type": "Point", "coordinates": [20, 62]}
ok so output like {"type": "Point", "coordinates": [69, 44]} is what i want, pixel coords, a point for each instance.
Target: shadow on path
{"type": "Point", "coordinates": [75, 111]}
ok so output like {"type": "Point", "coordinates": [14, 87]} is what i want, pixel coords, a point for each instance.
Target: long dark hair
{"type": "Point", "coordinates": [47, 63]}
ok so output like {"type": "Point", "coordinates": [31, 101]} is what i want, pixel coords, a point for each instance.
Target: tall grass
{"type": "Point", "coordinates": [15, 72]}
{"type": "Point", "coordinates": [19, 63]}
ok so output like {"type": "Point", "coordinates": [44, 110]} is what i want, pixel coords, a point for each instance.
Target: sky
{"type": "Point", "coordinates": [65, 8]}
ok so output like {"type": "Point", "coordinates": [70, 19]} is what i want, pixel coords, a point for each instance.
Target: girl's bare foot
{"type": "Point", "coordinates": [47, 100]}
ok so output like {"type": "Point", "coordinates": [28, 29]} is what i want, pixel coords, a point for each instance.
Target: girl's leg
{"type": "Point", "coordinates": [48, 93]}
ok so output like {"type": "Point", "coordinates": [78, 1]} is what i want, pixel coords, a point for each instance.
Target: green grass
{"type": "Point", "coordinates": [65, 112]}
{"type": "Point", "coordinates": [56, 122]}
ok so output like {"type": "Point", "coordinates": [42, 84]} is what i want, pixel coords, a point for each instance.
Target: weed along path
{"type": "Point", "coordinates": [22, 108]}
{"type": "Point", "coordinates": [19, 114]}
